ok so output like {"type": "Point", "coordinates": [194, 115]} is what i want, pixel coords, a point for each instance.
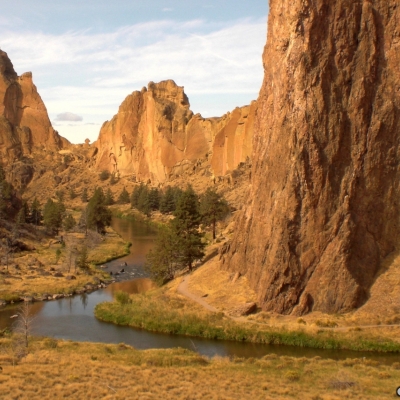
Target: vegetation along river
{"type": "Point", "coordinates": [73, 319]}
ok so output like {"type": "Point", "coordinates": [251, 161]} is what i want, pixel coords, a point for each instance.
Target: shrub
{"type": "Point", "coordinates": [104, 175]}
{"type": "Point", "coordinates": [122, 297]}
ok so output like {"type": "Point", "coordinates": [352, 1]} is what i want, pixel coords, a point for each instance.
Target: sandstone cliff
{"type": "Point", "coordinates": [156, 137]}
{"type": "Point", "coordinates": [324, 204]}
{"type": "Point", "coordinates": [24, 123]}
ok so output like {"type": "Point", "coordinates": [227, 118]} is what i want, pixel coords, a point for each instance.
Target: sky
{"type": "Point", "coordinates": [86, 56]}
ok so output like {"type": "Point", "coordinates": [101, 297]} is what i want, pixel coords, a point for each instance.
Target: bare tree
{"type": "Point", "coordinates": [24, 322]}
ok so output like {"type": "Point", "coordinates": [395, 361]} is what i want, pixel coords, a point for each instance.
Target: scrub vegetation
{"type": "Point", "coordinates": [89, 370]}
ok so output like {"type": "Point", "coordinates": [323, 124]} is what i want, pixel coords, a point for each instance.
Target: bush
{"type": "Point", "coordinates": [122, 297]}
{"type": "Point", "coordinates": [104, 175]}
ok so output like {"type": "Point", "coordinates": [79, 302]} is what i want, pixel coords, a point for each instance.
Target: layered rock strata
{"type": "Point", "coordinates": [155, 136]}
{"type": "Point", "coordinates": [324, 204]}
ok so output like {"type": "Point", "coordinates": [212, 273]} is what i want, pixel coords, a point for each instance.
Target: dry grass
{"type": "Point", "coordinates": [86, 370]}
{"type": "Point", "coordinates": [217, 286]}
{"type": "Point", "coordinates": [222, 294]}
{"type": "Point", "coordinates": [32, 273]}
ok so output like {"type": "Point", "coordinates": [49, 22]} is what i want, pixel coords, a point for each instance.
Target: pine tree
{"type": "Point", "coordinates": [163, 260]}
{"type": "Point", "coordinates": [123, 197]}
{"type": "Point", "coordinates": [82, 259]}
{"type": "Point", "coordinates": [36, 214]}
{"type": "Point", "coordinates": [213, 208]}
{"type": "Point", "coordinates": [186, 227]}
{"type": "Point", "coordinates": [97, 214]}
{"type": "Point", "coordinates": [154, 199]}
{"type": "Point", "coordinates": [69, 222]}
{"type": "Point", "coordinates": [53, 214]}
{"type": "Point", "coordinates": [167, 202]}
{"type": "Point", "coordinates": [136, 194]}
{"type": "Point", "coordinates": [109, 200]}
{"type": "Point", "coordinates": [143, 202]}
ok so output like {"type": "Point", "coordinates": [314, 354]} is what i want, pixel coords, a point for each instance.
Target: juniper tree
{"type": "Point", "coordinates": [213, 208]}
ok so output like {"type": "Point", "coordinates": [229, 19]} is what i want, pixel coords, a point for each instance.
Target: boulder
{"type": "Point", "coordinates": [243, 309]}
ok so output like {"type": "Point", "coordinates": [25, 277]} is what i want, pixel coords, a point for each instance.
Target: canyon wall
{"type": "Point", "coordinates": [324, 209]}
{"type": "Point", "coordinates": [155, 135]}
{"type": "Point", "coordinates": [24, 123]}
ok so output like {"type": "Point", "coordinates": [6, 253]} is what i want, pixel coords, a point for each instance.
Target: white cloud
{"type": "Point", "coordinates": [93, 73]}
{"type": "Point", "coordinates": [68, 116]}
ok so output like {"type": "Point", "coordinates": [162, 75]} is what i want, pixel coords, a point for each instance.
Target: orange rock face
{"type": "Point", "coordinates": [324, 204]}
{"type": "Point", "coordinates": [155, 132]}
{"type": "Point", "coordinates": [24, 123]}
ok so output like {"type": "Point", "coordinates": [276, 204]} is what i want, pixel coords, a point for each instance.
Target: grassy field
{"type": "Point", "coordinates": [162, 311]}
{"type": "Point", "coordinates": [60, 369]}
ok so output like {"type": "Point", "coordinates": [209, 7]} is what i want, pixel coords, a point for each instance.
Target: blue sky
{"type": "Point", "coordinates": [86, 56]}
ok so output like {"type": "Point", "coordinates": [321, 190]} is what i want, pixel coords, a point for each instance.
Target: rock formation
{"type": "Point", "coordinates": [324, 201]}
{"type": "Point", "coordinates": [155, 136]}
{"type": "Point", "coordinates": [24, 123]}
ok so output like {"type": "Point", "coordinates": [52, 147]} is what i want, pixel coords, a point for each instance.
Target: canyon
{"type": "Point", "coordinates": [320, 208]}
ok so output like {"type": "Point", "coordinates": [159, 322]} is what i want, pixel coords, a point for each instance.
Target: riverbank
{"type": "Point", "coordinates": [47, 271]}
{"type": "Point", "coordinates": [86, 370]}
{"type": "Point", "coordinates": [163, 311]}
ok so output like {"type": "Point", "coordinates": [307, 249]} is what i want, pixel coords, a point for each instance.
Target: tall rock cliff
{"type": "Point", "coordinates": [24, 123]}
{"type": "Point", "coordinates": [324, 205]}
{"type": "Point", "coordinates": [155, 135]}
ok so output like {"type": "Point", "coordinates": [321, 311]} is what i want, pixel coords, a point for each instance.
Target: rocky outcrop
{"type": "Point", "coordinates": [155, 136]}
{"type": "Point", "coordinates": [324, 202]}
{"type": "Point", "coordinates": [24, 123]}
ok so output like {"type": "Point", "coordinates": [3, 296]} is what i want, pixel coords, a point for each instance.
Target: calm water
{"type": "Point", "coordinates": [72, 318]}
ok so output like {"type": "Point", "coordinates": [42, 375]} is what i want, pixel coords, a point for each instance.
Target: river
{"type": "Point", "coordinates": [73, 318]}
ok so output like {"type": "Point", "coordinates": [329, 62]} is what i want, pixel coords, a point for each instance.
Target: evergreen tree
{"type": "Point", "coordinates": [213, 208]}
{"type": "Point", "coordinates": [53, 214]}
{"type": "Point", "coordinates": [167, 202]}
{"type": "Point", "coordinates": [143, 201]}
{"type": "Point", "coordinates": [154, 199]}
{"type": "Point", "coordinates": [82, 259]}
{"type": "Point", "coordinates": [186, 227]}
{"type": "Point", "coordinates": [6, 195]}
{"type": "Point", "coordinates": [84, 195]}
{"type": "Point", "coordinates": [23, 214]}
{"type": "Point", "coordinates": [123, 197]}
{"type": "Point", "coordinates": [97, 214]}
{"type": "Point", "coordinates": [109, 199]}
{"type": "Point", "coordinates": [36, 214]}
{"type": "Point", "coordinates": [136, 194]}
{"type": "Point", "coordinates": [163, 260]}
{"type": "Point", "coordinates": [69, 222]}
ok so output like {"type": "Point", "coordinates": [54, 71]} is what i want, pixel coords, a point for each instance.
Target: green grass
{"type": "Point", "coordinates": [160, 313]}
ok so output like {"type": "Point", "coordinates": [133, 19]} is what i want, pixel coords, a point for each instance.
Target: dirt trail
{"type": "Point", "coordinates": [184, 290]}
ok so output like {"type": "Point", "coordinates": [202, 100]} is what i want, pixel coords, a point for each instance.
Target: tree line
{"type": "Point", "coordinates": [180, 243]}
